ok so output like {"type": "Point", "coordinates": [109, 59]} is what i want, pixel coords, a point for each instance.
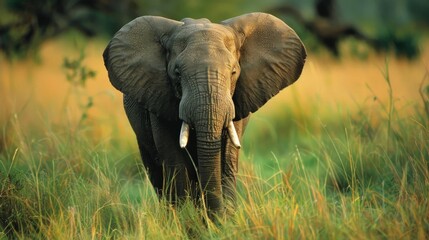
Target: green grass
{"type": "Point", "coordinates": [304, 174]}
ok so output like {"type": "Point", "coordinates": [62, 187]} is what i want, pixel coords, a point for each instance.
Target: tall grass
{"type": "Point", "coordinates": [327, 177]}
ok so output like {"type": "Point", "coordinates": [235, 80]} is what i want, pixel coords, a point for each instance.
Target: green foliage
{"type": "Point", "coordinates": [25, 24]}
{"type": "Point", "coordinates": [77, 74]}
{"type": "Point", "coordinates": [215, 10]}
{"type": "Point", "coordinates": [17, 210]}
{"type": "Point", "coordinates": [403, 44]}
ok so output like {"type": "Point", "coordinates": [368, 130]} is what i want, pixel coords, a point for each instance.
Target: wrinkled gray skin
{"type": "Point", "coordinates": [206, 75]}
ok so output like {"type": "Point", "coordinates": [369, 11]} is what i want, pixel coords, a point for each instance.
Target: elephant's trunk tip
{"type": "Point", "coordinates": [184, 135]}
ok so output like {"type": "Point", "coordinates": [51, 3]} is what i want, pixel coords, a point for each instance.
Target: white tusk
{"type": "Point", "coordinates": [233, 135]}
{"type": "Point", "coordinates": [184, 135]}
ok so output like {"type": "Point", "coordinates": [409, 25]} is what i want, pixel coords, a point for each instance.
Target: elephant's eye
{"type": "Point", "coordinates": [234, 71]}
{"type": "Point", "coordinates": [177, 72]}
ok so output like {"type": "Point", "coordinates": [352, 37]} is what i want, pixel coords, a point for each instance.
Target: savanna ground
{"type": "Point", "coordinates": [342, 154]}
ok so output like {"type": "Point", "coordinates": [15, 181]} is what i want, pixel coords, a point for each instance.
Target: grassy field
{"type": "Point", "coordinates": [342, 154]}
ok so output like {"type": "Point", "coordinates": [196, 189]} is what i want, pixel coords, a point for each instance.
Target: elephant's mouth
{"type": "Point", "coordinates": [184, 135]}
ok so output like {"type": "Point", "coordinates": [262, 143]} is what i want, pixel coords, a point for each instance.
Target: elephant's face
{"type": "Point", "coordinates": [203, 67]}
{"type": "Point", "coordinates": [198, 45]}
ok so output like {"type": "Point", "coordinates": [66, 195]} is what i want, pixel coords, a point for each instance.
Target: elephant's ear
{"type": "Point", "coordinates": [136, 62]}
{"type": "Point", "coordinates": [271, 58]}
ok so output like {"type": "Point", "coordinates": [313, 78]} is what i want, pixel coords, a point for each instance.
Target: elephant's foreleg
{"type": "Point", "coordinates": [229, 170]}
{"type": "Point", "coordinates": [139, 119]}
{"type": "Point", "coordinates": [179, 173]}
{"type": "Point", "coordinates": [153, 169]}
{"type": "Point", "coordinates": [230, 166]}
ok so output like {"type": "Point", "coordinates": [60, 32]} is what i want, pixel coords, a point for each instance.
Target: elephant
{"type": "Point", "coordinates": [189, 88]}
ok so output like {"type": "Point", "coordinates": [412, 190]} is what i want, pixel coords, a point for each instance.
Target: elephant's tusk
{"type": "Point", "coordinates": [184, 135]}
{"type": "Point", "coordinates": [233, 135]}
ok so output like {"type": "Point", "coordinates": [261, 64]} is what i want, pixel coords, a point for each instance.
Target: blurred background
{"type": "Point", "coordinates": [51, 68]}
{"type": "Point", "coordinates": [383, 24]}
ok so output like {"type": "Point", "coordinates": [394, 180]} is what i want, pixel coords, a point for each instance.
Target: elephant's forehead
{"type": "Point", "coordinates": [204, 32]}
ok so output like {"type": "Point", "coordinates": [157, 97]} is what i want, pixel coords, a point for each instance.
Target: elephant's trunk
{"type": "Point", "coordinates": [209, 170]}
{"type": "Point", "coordinates": [209, 123]}
{"type": "Point", "coordinates": [208, 108]}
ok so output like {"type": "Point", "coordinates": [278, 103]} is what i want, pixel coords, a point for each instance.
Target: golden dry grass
{"type": "Point", "coordinates": [349, 82]}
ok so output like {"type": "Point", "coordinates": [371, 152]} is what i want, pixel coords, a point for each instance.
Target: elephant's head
{"type": "Point", "coordinates": [205, 74]}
